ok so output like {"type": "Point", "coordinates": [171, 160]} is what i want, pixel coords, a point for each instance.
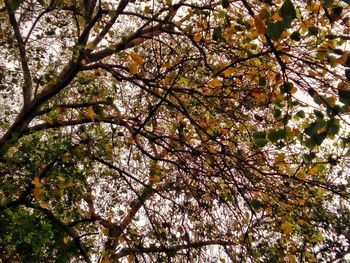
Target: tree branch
{"type": "Point", "coordinates": [27, 85]}
{"type": "Point", "coordinates": [147, 250]}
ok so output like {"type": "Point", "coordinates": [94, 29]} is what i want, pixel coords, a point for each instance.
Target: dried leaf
{"type": "Point", "coordinates": [259, 24]}
{"type": "Point", "coordinates": [133, 68]}
{"type": "Point", "coordinates": [66, 240]}
{"type": "Point", "coordinates": [36, 181]}
{"type": "Point", "coordinates": [197, 37]}
{"type": "Point", "coordinates": [137, 58]}
{"type": "Point", "coordinates": [287, 227]}
{"type": "Point", "coordinates": [90, 112]}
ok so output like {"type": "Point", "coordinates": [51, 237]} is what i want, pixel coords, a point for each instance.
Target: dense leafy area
{"type": "Point", "coordinates": [174, 131]}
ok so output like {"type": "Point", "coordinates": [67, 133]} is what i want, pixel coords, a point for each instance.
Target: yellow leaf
{"type": "Point", "coordinates": [214, 83]}
{"type": "Point", "coordinates": [262, 38]}
{"type": "Point", "coordinates": [133, 68]}
{"type": "Point", "coordinates": [148, 10]}
{"type": "Point", "coordinates": [301, 202]}
{"type": "Point", "coordinates": [229, 71]}
{"type": "Point", "coordinates": [105, 231]}
{"type": "Point", "coordinates": [259, 24]}
{"type": "Point", "coordinates": [312, 73]}
{"type": "Point", "coordinates": [137, 58]}
{"type": "Point", "coordinates": [342, 59]}
{"type": "Point", "coordinates": [301, 175]}
{"type": "Point", "coordinates": [43, 204]}
{"type": "Point", "coordinates": [109, 148]}
{"type": "Point", "coordinates": [197, 37]}
{"type": "Point", "coordinates": [331, 101]}
{"type": "Point", "coordinates": [313, 170]}
{"type": "Point", "coordinates": [280, 158]}
{"type": "Point", "coordinates": [131, 258]}
{"type": "Point", "coordinates": [90, 112]}
{"type": "Point", "coordinates": [36, 181]}
{"type": "Point", "coordinates": [90, 45]}
{"type": "Point", "coordinates": [287, 227]}
{"type": "Point", "coordinates": [66, 240]}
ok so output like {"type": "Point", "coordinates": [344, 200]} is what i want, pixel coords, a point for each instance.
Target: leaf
{"type": "Point", "coordinates": [36, 192]}
{"type": "Point", "coordinates": [217, 34]}
{"type": "Point", "coordinates": [288, 12]}
{"type": "Point", "coordinates": [276, 17]}
{"type": "Point", "coordinates": [197, 37]}
{"type": "Point", "coordinates": [225, 3]}
{"type": "Point", "coordinates": [131, 258]}
{"type": "Point", "coordinates": [259, 24]}
{"type": "Point", "coordinates": [66, 240]}
{"type": "Point", "coordinates": [256, 93]}
{"type": "Point", "coordinates": [313, 170]}
{"type": "Point", "coordinates": [276, 135]}
{"type": "Point", "coordinates": [137, 58]}
{"type": "Point", "coordinates": [286, 227]}
{"type": "Point", "coordinates": [275, 30]}
{"type": "Point", "coordinates": [133, 68]}
{"type": "Point", "coordinates": [43, 204]}
{"type": "Point", "coordinates": [260, 142]}
{"type": "Point", "coordinates": [214, 83]}
{"type": "Point", "coordinates": [90, 112]}
{"type": "Point", "coordinates": [301, 175]}
{"type": "Point", "coordinates": [36, 181]}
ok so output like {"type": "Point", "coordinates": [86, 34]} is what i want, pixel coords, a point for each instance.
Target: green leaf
{"type": "Point", "coordinates": [328, 3]}
{"type": "Point", "coordinates": [217, 34]}
{"type": "Point", "coordinates": [344, 96]}
{"type": "Point", "coordinates": [288, 12]}
{"type": "Point", "coordinates": [260, 142]}
{"type": "Point", "coordinates": [300, 114]}
{"type": "Point", "coordinates": [314, 128]}
{"type": "Point", "coordinates": [225, 3]}
{"type": "Point", "coordinates": [276, 135]}
{"type": "Point", "coordinates": [309, 143]}
{"type": "Point", "coordinates": [259, 134]}
{"type": "Point", "coordinates": [274, 30]}
{"type": "Point", "coordinates": [295, 36]}
{"type": "Point", "coordinates": [319, 114]}
{"type": "Point", "coordinates": [333, 126]}
{"type": "Point", "coordinates": [286, 87]}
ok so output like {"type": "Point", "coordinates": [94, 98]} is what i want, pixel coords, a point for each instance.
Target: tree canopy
{"type": "Point", "coordinates": [174, 130]}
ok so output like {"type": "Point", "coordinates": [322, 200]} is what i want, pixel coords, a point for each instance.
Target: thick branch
{"type": "Point", "coordinates": [68, 230]}
{"type": "Point", "coordinates": [27, 85]}
{"type": "Point", "coordinates": [141, 250]}
{"type": "Point", "coordinates": [57, 124]}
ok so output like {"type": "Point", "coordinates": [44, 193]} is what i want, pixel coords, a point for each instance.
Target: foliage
{"type": "Point", "coordinates": [180, 131]}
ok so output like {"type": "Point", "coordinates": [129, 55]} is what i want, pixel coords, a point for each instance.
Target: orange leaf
{"type": "Point", "coordinates": [36, 181]}
{"type": "Point", "coordinates": [36, 192]}
{"type": "Point", "coordinates": [259, 24]}
{"type": "Point", "coordinates": [137, 58]}
{"type": "Point", "coordinates": [133, 68]}
{"type": "Point", "coordinates": [313, 170]}
{"type": "Point", "coordinates": [197, 37]}
{"type": "Point", "coordinates": [90, 112]}
{"type": "Point", "coordinates": [293, 90]}
{"type": "Point", "coordinates": [257, 94]}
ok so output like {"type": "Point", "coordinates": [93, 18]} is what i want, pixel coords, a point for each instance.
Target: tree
{"type": "Point", "coordinates": [155, 131]}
